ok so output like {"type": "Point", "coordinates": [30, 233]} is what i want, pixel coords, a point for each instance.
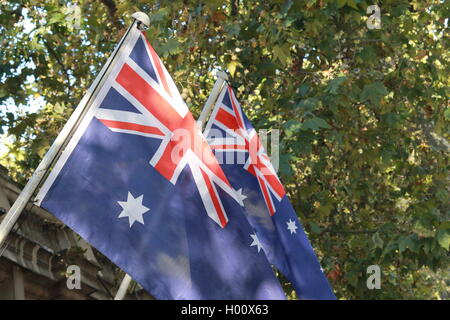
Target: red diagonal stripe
{"type": "Point", "coordinates": [212, 192]}
{"type": "Point", "coordinates": [227, 119]}
{"type": "Point", "coordinates": [239, 119]}
{"type": "Point", "coordinates": [148, 97]}
{"type": "Point", "coordinates": [254, 147]}
{"type": "Point", "coordinates": [275, 184]}
{"type": "Point", "coordinates": [266, 196]}
{"type": "Point", "coordinates": [228, 146]}
{"type": "Point", "coordinates": [158, 66]}
{"type": "Point", "coordinates": [131, 126]}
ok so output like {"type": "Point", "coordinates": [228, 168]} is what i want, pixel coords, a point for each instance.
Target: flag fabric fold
{"type": "Point", "coordinates": [139, 182]}
{"type": "Point", "coordinates": [267, 207]}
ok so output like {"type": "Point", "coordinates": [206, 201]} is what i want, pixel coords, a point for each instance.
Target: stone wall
{"type": "Point", "coordinates": [39, 250]}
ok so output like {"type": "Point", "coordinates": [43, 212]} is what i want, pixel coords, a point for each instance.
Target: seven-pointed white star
{"type": "Point", "coordinates": [255, 242]}
{"type": "Point", "coordinates": [133, 209]}
{"type": "Point", "coordinates": [241, 197]}
{"type": "Point", "coordinates": [291, 226]}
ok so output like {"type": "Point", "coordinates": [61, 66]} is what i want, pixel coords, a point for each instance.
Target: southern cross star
{"type": "Point", "coordinates": [133, 209]}
{"type": "Point", "coordinates": [255, 242]}
{"type": "Point", "coordinates": [291, 226]}
{"type": "Point", "coordinates": [241, 197]}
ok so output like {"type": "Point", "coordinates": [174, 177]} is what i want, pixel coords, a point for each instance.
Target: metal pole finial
{"type": "Point", "coordinates": [142, 18]}
{"type": "Point", "coordinates": [222, 77]}
{"type": "Point", "coordinates": [220, 74]}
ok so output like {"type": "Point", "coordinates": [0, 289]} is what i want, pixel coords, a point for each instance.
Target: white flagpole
{"type": "Point", "coordinates": [221, 78]}
{"type": "Point", "coordinates": [65, 134]}
{"type": "Point", "coordinates": [123, 287]}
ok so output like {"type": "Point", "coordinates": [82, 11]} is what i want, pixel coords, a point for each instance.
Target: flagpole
{"type": "Point", "coordinates": [44, 166]}
{"type": "Point", "coordinates": [221, 78]}
{"type": "Point", "coordinates": [123, 287]}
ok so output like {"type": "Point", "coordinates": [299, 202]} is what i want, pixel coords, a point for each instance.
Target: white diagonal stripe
{"type": "Point", "coordinates": [126, 116]}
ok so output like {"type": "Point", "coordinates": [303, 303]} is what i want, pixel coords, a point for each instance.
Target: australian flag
{"type": "Point", "coordinates": [139, 182]}
{"type": "Point", "coordinates": [269, 211]}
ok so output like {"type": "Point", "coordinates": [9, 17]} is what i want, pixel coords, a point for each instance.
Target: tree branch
{"type": "Point", "coordinates": [433, 138]}
{"type": "Point", "coordinates": [112, 8]}
{"type": "Point", "coordinates": [234, 7]}
{"type": "Point", "coordinates": [61, 64]}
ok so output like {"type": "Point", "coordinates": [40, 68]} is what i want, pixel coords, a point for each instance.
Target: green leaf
{"type": "Point", "coordinates": [374, 92]}
{"type": "Point", "coordinates": [309, 104]}
{"type": "Point", "coordinates": [172, 46]}
{"type": "Point", "coordinates": [233, 29]}
{"type": "Point", "coordinates": [281, 53]}
{"type": "Point", "coordinates": [303, 89]}
{"type": "Point", "coordinates": [291, 127]}
{"type": "Point", "coordinates": [315, 123]}
{"type": "Point", "coordinates": [341, 3]}
{"type": "Point", "coordinates": [321, 123]}
{"type": "Point", "coordinates": [442, 195]}
{"type": "Point", "coordinates": [423, 230]}
{"type": "Point", "coordinates": [232, 66]}
{"type": "Point", "coordinates": [285, 166]}
{"type": "Point", "coordinates": [443, 238]}
{"type": "Point", "coordinates": [159, 15]}
{"type": "Point", "coordinates": [352, 278]}
{"type": "Point", "coordinates": [390, 246]}
{"type": "Point", "coordinates": [378, 242]}
{"type": "Point", "coordinates": [447, 114]}
{"type": "Point", "coordinates": [334, 84]}
{"type": "Point", "coordinates": [56, 18]}
{"type": "Point", "coordinates": [3, 92]}
{"type": "Point", "coordinates": [315, 227]}
{"type": "Point", "coordinates": [407, 242]}
{"type": "Point", "coordinates": [352, 4]}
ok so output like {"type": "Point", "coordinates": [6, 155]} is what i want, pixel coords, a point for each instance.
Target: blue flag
{"type": "Point", "coordinates": [268, 209]}
{"type": "Point", "coordinates": [139, 182]}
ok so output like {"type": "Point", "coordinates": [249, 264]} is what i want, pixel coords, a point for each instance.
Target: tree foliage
{"type": "Point", "coordinates": [363, 113]}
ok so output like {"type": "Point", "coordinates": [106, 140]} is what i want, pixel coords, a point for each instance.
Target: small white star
{"type": "Point", "coordinates": [255, 242]}
{"type": "Point", "coordinates": [133, 209]}
{"type": "Point", "coordinates": [291, 226]}
{"type": "Point", "coordinates": [240, 197]}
